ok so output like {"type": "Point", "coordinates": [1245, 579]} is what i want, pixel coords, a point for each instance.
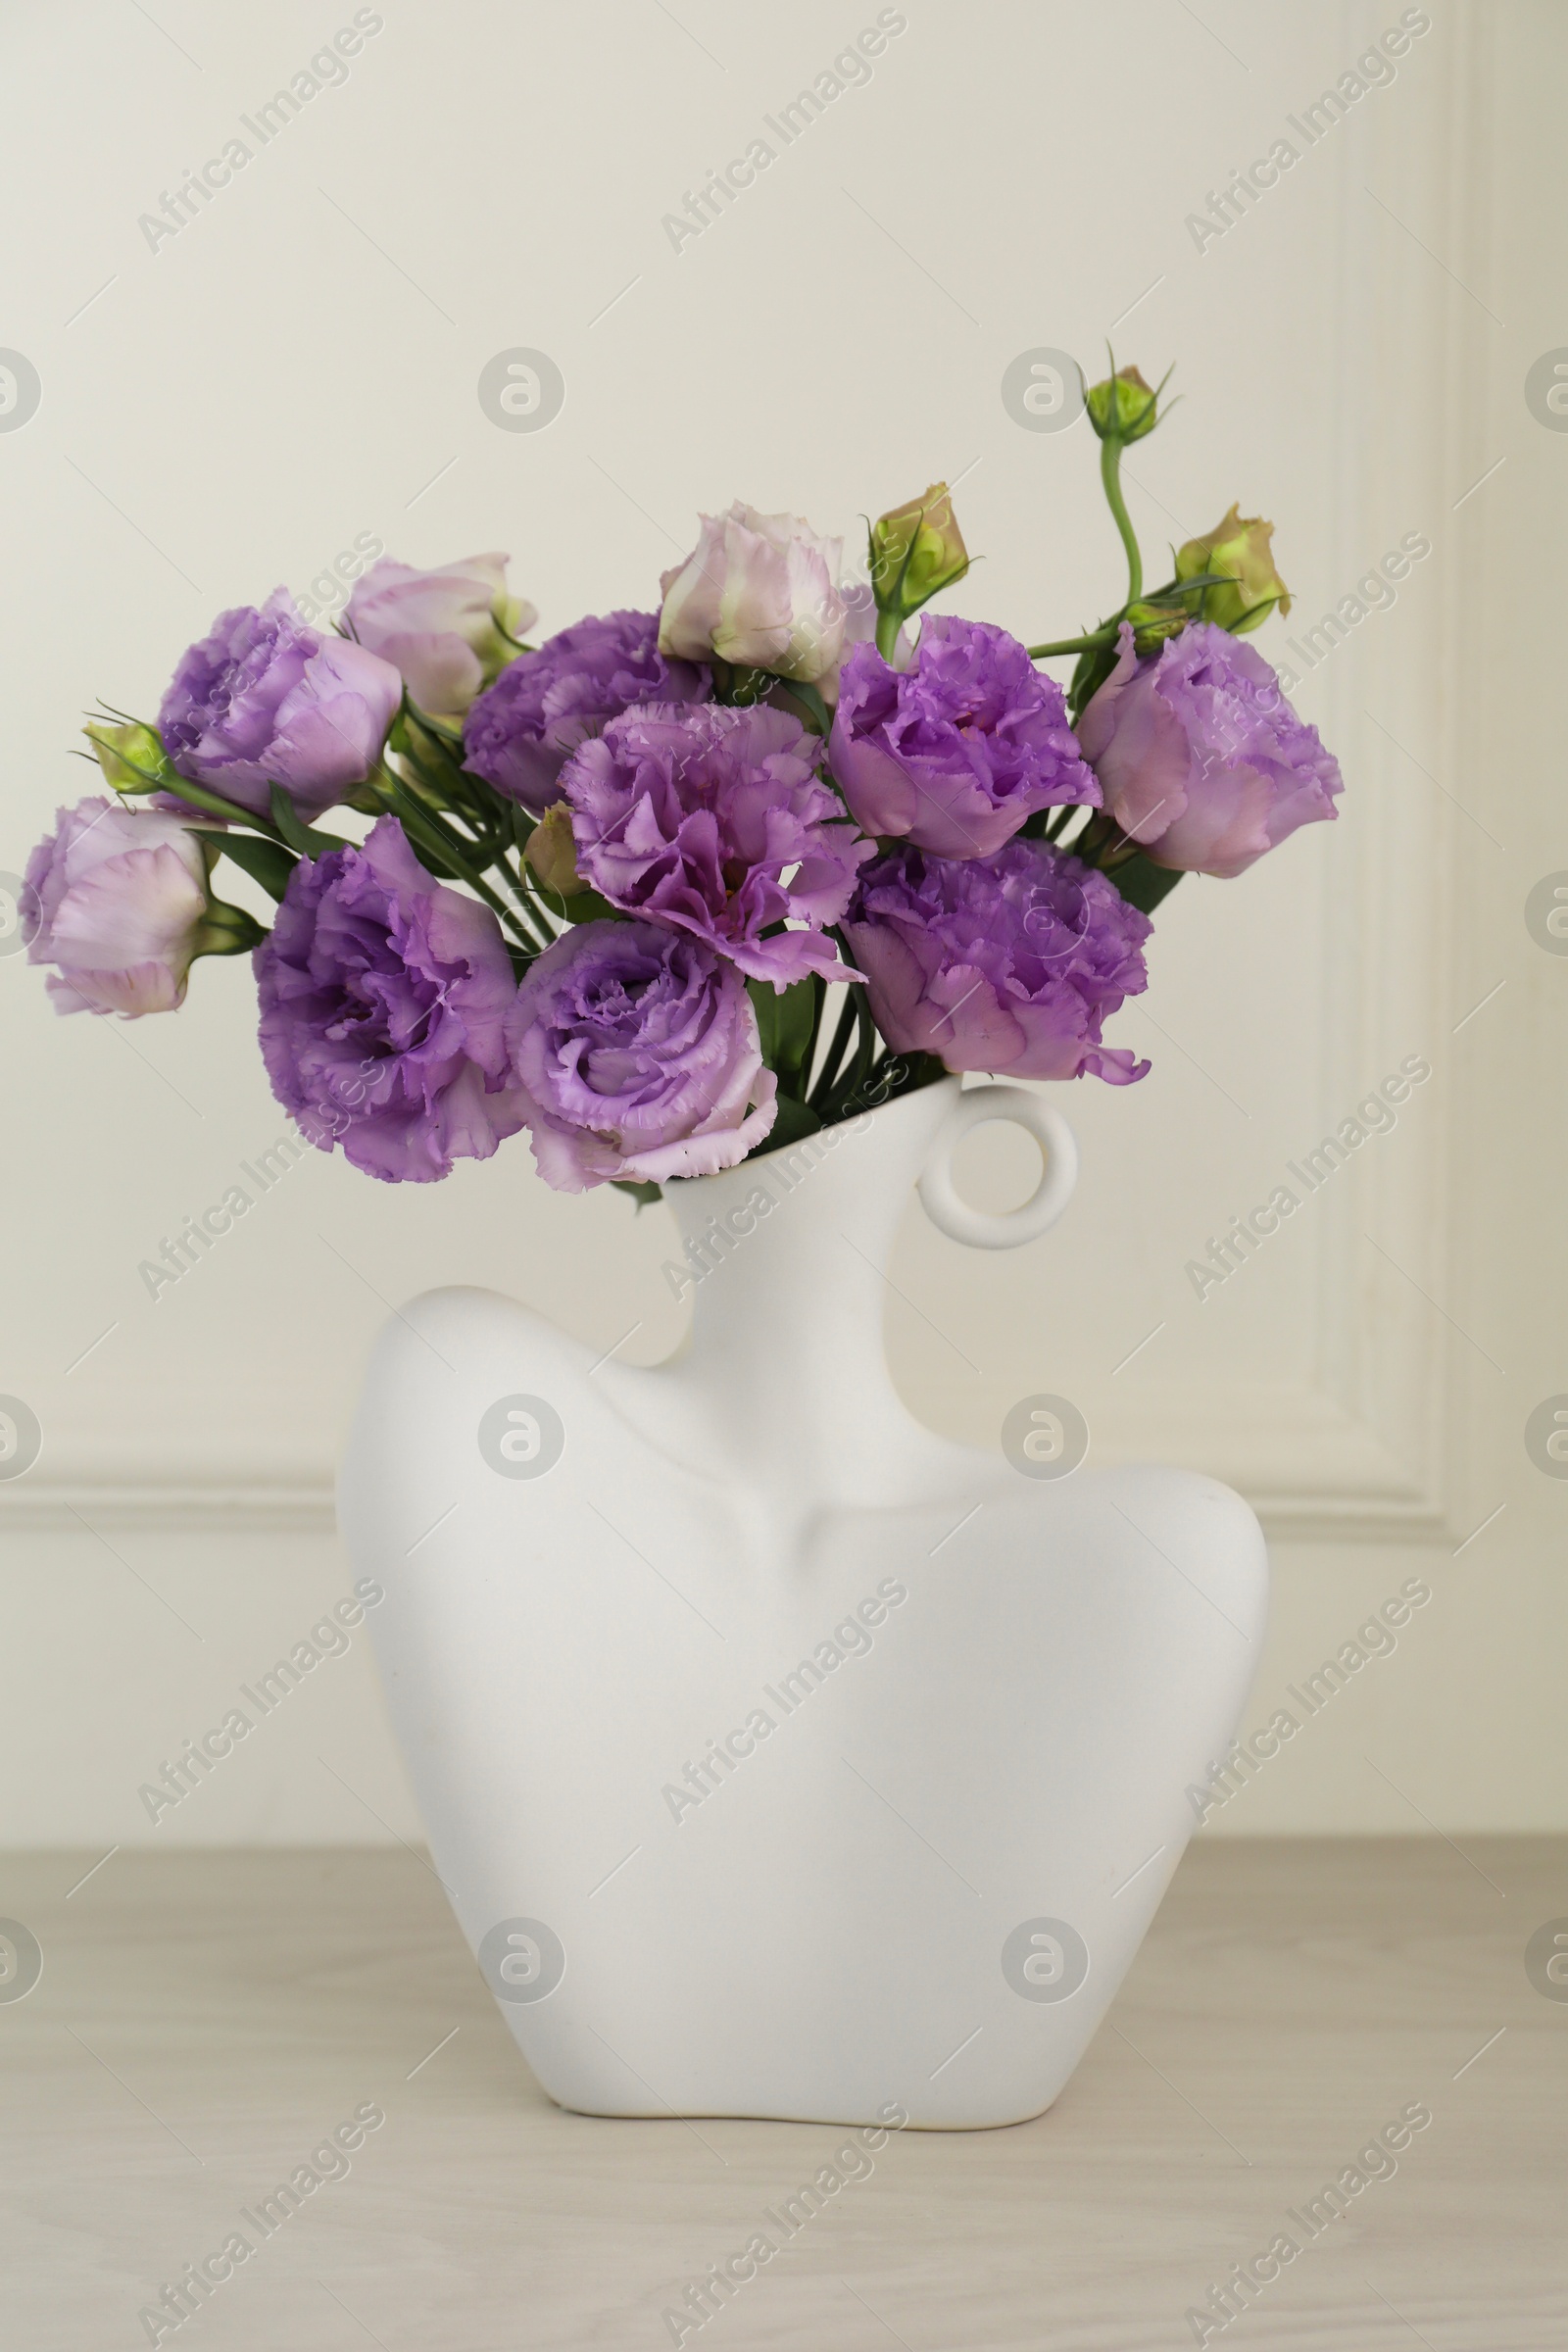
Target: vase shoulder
{"type": "Point", "coordinates": [473, 1394]}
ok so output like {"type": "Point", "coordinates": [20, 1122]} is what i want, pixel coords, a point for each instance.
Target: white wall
{"type": "Point", "coordinates": [300, 365]}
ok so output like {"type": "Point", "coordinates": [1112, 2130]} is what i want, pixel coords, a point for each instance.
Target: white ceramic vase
{"type": "Point", "coordinates": [779, 1757]}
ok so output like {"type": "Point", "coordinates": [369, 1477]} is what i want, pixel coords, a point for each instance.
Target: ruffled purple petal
{"type": "Point", "coordinates": [1009, 963]}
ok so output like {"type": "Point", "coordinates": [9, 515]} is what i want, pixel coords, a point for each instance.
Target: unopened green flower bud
{"type": "Point", "coordinates": [916, 548]}
{"type": "Point", "coordinates": [1153, 623]}
{"type": "Point", "coordinates": [131, 757]}
{"type": "Point", "coordinates": [1240, 546]}
{"type": "Point", "coordinates": [1123, 407]}
{"type": "Point", "coordinates": [551, 856]}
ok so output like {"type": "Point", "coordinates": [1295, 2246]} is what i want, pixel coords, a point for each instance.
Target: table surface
{"type": "Point", "coordinates": [205, 2020]}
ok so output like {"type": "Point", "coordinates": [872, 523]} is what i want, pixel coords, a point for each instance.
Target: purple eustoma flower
{"type": "Point", "coordinates": [265, 699]}
{"type": "Point", "coordinates": [1200, 758]}
{"type": "Point", "coordinates": [639, 1057]}
{"type": "Point", "coordinates": [1007, 963]}
{"type": "Point", "coordinates": [715, 821]}
{"type": "Point", "coordinates": [523, 730]}
{"type": "Point", "coordinates": [953, 751]}
{"type": "Point", "coordinates": [383, 998]}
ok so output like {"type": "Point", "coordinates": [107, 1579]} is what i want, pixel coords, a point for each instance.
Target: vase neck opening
{"type": "Point", "coordinates": [785, 1261]}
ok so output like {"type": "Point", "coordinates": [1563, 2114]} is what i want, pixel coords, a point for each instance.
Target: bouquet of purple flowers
{"type": "Point", "coordinates": [608, 880]}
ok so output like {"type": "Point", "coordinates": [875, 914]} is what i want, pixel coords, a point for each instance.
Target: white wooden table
{"type": "Point", "coordinates": [205, 2023]}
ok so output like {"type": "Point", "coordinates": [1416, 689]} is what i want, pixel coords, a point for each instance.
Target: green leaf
{"type": "Point", "coordinates": [587, 906]}
{"type": "Point", "coordinates": [810, 698]}
{"type": "Point", "coordinates": [741, 687]}
{"type": "Point", "coordinates": [795, 1119]}
{"type": "Point", "coordinates": [1094, 666]}
{"type": "Point", "coordinates": [266, 861]}
{"type": "Point", "coordinates": [765, 1005]}
{"type": "Point", "coordinates": [301, 837]}
{"type": "Point", "coordinates": [645, 1195]}
{"type": "Point", "coordinates": [783, 1022]}
{"type": "Point", "coordinates": [1143, 883]}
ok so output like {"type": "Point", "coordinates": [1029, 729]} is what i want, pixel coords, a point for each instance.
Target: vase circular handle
{"type": "Point", "coordinates": [978, 1107]}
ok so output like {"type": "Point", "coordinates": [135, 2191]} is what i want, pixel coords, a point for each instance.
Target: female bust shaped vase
{"type": "Point", "coordinates": [779, 1757]}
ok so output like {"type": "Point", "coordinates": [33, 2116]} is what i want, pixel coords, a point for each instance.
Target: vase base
{"type": "Point", "coordinates": [829, 2115]}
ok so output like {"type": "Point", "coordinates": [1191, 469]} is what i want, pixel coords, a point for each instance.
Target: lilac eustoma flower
{"type": "Point", "coordinates": [1200, 758]}
{"type": "Point", "coordinates": [116, 897]}
{"type": "Point", "coordinates": [761, 591]}
{"type": "Point", "coordinates": [951, 751]}
{"type": "Point", "coordinates": [523, 729]}
{"type": "Point", "coordinates": [264, 699]}
{"type": "Point", "coordinates": [715, 821]}
{"type": "Point", "coordinates": [383, 997]}
{"type": "Point", "coordinates": [446, 631]}
{"type": "Point", "coordinates": [1007, 963]}
{"type": "Point", "coordinates": [638, 1054]}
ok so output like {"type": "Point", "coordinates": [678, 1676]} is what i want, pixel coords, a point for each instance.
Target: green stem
{"type": "Point", "coordinates": [541, 904]}
{"type": "Point", "coordinates": [454, 786]}
{"type": "Point", "coordinates": [198, 797]}
{"type": "Point", "coordinates": [1095, 838]}
{"type": "Point", "coordinates": [1105, 635]}
{"type": "Point", "coordinates": [1111, 477]}
{"type": "Point", "coordinates": [527, 912]}
{"type": "Point", "coordinates": [819, 1007]}
{"type": "Point", "coordinates": [888, 625]}
{"type": "Point", "coordinates": [436, 786]}
{"type": "Point", "coordinates": [427, 826]}
{"type": "Point", "coordinates": [439, 728]}
{"type": "Point", "coordinates": [837, 1047]}
{"type": "Point", "coordinates": [865, 1045]}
